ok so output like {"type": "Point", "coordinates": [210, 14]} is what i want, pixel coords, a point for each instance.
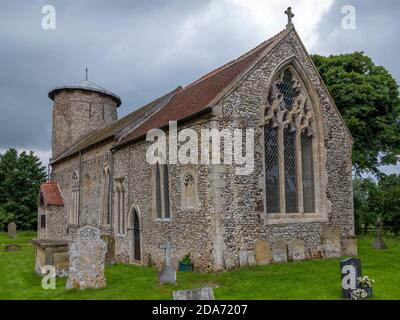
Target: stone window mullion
{"type": "Point", "coordinates": [299, 172]}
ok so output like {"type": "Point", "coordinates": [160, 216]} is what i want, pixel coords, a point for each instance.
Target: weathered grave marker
{"type": "Point", "coordinates": [168, 273]}
{"type": "Point", "coordinates": [262, 252]}
{"type": "Point", "coordinates": [298, 250]}
{"type": "Point", "coordinates": [194, 294]}
{"type": "Point", "coordinates": [12, 229]}
{"type": "Point", "coordinates": [87, 259]}
{"type": "Point", "coordinates": [12, 247]}
{"type": "Point", "coordinates": [331, 242]}
{"type": "Point", "coordinates": [279, 251]}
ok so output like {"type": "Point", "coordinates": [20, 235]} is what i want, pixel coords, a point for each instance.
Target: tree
{"type": "Point", "coordinates": [20, 178]}
{"type": "Point", "coordinates": [367, 203]}
{"type": "Point", "coordinates": [390, 189]}
{"type": "Point", "coordinates": [368, 98]}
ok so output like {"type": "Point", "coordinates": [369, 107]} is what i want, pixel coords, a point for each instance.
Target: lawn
{"type": "Point", "coordinates": [317, 279]}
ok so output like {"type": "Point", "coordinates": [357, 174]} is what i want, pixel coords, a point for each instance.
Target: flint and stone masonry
{"type": "Point", "coordinates": [103, 179]}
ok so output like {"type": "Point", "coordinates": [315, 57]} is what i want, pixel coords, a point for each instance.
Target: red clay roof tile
{"type": "Point", "coordinates": [51, 194]}
{"type": "Point", "coordinates": [198, 95]}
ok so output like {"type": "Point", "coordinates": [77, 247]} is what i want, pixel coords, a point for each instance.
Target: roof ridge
{"type": "Point", "coordinates": [241, 57]}
{"type": "Point", "coordinates": [118, 125]}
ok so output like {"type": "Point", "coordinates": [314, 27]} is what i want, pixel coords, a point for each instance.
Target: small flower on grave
{"type": "Point", "coordinates": [366, 282]}
{"type": "Point", "coordinates": [365, 285]}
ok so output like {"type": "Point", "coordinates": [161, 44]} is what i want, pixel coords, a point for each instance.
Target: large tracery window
{"type": "Point", "coordinates": [288, 141]}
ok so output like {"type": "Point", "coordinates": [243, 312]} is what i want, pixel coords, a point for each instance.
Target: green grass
{"type": "Point", "coordinates": [316, 279]}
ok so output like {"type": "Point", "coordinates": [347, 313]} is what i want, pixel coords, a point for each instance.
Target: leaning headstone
{"type": "Point", "coordinates": [298, 250]}
{"type": "Point", "coordinates": [262, 252]}
{"type": "Point", "coordinates": [87, 260]}
{"type": "Point", "coordinates": [350, 271]}
{"type": "Point", "coordinates": [12, 229]}
{"type": "Point", "coordinates": [168, 273]}
{"type": "Point", "coordinates": [331, 242]}
{"type": "Point", "coordinates": [279, 251]}
{"type": "Point", "coordinates": [12, 247]}
{"type": "Point", "coordinates": [194, 294]}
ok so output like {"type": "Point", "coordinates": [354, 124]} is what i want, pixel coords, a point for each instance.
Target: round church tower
{"type": "Point", "coordinates": [79, 109]}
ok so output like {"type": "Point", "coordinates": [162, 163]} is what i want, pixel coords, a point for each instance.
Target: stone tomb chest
{"type": "Point", "coordinates": [51, 252]}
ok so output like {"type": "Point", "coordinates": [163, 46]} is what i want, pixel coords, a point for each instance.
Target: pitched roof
{"type": "Point", "coordinates": [178, 104]}
{"type": "Point", "coordinates": [51, 194]}
{"type": "Point", "coordinates": [119, 126]}
{"type": "Point", "coordinates": [200, 94]}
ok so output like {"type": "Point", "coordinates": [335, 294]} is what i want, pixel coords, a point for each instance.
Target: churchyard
{"type": "Point", "coordinates": [313, 279]}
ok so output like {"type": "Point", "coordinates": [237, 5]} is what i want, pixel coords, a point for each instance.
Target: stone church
{"type": "Point", "coordinates": [296, 204]}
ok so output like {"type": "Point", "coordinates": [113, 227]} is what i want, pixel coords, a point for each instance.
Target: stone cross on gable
{"type": "Point", "coordinates": [168, 251]}
{"type": "Point", "coordinates": [290, 15]}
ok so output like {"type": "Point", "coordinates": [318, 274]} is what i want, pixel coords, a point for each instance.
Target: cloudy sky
{"type": "Point", "coordinates": [142, 49]}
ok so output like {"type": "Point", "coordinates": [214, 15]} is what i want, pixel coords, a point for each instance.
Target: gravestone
{"type": "Point", "coordinates": [110, 242]}
{"type": "Point", "coordinates": [251, 259]}
{"type": "Point", "coordinates": [87, 259]}
{"type": "Point", "coordinates": [298, 250]}
{"type": "Point", "coordinates": [168, 273]}
{"type": "Point", "coordinates": [12, 247]}
{"type": "Point", "coordinates": [378, 242]}
{"type": "Point", "coordinates": [279, 251]}
{"type": "Point", "coordinates": [349, 247]}
{"type": "Point", "coordinates": [350, 271]}
{"type": "Point", "coordinates": [243, 262]}
{"type": "Point", "coordinates": [316, 253]}
{"type": "Point", "coordinates": [262, 252]}
{"type": "Point", "coordinates": [12, 229]}
{"type": "Point", "coordinates": [331, 242]}
{"type": "Point", "coordinates": [194, 294]}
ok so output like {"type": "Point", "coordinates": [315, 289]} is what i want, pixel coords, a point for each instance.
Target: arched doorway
{"type": "Point", "coordinates": [135, 236]}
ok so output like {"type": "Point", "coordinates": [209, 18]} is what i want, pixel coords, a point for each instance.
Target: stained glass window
{"type": "Point", "coordinates": [307, 172]}
{"type": "Point", "coordinates": [289, 146]}
{"type": "Point", "coordinates": [271, 169]}
{"type": "Point", "coordinates": [288, 139]}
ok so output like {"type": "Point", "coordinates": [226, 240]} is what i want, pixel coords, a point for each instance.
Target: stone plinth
{"type": "Point", "coordinates": [53, 253]}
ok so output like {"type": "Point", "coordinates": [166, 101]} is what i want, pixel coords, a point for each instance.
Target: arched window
{"type": "Point", "coordinates": [158, 191]}
{"type": "Point", "coordinates": [74, 212]}
{"type": "Point", "coordinates": [106, 214]}
{"type": "Point", "coordinates": [288, 141]}
{"type": "Point", "coordinates": [120, 208]}
{"type": "Point", "coordinates": [161, 191]}
{"type": "Point", "coordinates": [165, 189]}
{"type": "Point", "coordinates": [189, 191]}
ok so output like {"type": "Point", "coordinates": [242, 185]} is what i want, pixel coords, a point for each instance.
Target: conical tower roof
{"type": "Point", "coordinates": [86, 85]}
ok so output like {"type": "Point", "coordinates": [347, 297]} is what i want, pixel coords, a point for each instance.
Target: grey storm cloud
{"type": "Point", "coordinates": [376, 32]}
{"type": "Point", "coordinates": [142, 49]}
